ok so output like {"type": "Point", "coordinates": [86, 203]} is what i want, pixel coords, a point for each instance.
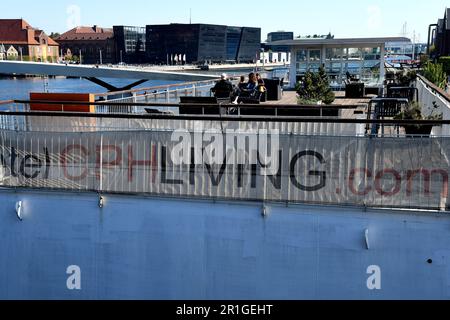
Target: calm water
{"type": "Point", "coordinates": [20, 88]}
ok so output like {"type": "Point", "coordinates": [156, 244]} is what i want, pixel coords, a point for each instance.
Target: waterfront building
{"type": "Point", "coordinates": [364, 57]}
{"type": "Point", "coordinates": [200, 43]}
{"type": "Point", "coordinates": [20, 41]}
{"type": "Point", "coordinates": [277, 36]}
{"type": "Point", "coordinates": [439, 36]}
{"type": "Point", "coordinates": [406, 49]}
{"type": "Point", "coordinates": [94, 44]}
{"type": "Point", "coordinates": [129, 44]}
{"type": "Point", "coordinates": [275, 57]}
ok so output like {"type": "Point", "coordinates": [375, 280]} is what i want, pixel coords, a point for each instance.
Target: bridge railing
{"type": "Point", "coordinates": [159, 94]}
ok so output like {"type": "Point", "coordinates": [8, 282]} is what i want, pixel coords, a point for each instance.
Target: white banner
{"type": "Point", "coordinates": [389, 172]}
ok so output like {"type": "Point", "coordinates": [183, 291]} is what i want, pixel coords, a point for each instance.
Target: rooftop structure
{"type": "Point", "coordinates": [358, 56]}
{"type": "Point", "coordinates": [130, 44]}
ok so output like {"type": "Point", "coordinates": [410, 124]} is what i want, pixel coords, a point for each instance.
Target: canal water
{"type": "Point", "coordinates": [20, 88]}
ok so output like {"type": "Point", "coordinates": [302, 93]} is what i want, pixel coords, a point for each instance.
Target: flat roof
{"type": "Point", "coordinates": [341, 42]}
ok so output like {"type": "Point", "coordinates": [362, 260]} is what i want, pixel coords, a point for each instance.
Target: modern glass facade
{"type": "Point", "coordinates": [363, 62]}
{"type": "Point", "coordinates": [280, 35]}
{"type": "Point", "coordinates": [250, 45]}
{"type": "Point", "coordinates": [134, 39]}
{"type": "Point", "coordinates": [361, 57]}
{"type": "Point", "coordinates": [130, 44]}
{"type": "Point", "coordinates": [234, 35]}
{"type": "Point", "coordinates": [408, 49]}
{"type": "Point", "coordinates": [197, 43]}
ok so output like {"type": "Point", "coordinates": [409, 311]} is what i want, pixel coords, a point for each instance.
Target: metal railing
{"type": "Point", "coordinates": [160, 94]}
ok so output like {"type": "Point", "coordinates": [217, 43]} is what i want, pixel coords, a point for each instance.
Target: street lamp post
{"type": "Point", "coordinates": [101, 58]}
{"type": "Point", "coordinates": [21, 55]}
{"type": "Point", "coordinates": [121, 60]}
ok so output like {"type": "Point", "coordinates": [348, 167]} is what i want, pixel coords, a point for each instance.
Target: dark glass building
{"type": "Point", "coordinates": [278, 36]}
{"type": "Point", "coordinates": [130, 44]}
{"type": "Point", "coordinates": [197, 43]}
{"type": "Point", "coordinates": [439, 36]}
{"type": "Point", "coordinates": [234, 35]}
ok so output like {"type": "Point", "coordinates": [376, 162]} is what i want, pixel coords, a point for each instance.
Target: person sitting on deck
{"type": "Point", "coordinates": [242, 84]}
{"type": "Point", "coordinates": [252, 85]}
{"type": "Point", "coordinates": [250, 93]}
{"type": "Point", "coordinates": [261, 85]}
{"type": "Point", "coordinates": [260, 80]}
{"type": "Point", "coordinates": [223, 89]}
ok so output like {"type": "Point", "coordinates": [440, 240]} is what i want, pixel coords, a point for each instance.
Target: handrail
{"type": "Point", "coordinates": [168, 86]}
{"type": "Point", "coordinates": [6, 102]}
{"type": "Point", "coordinates": [223, 118]}
{"type": "Point", "coordinates": [153, 104]}
{"type": "Point", "coordinates": [440, 91]}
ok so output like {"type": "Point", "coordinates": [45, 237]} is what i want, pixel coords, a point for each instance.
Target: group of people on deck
{"type": "Point", "coordinates": [251, 88]}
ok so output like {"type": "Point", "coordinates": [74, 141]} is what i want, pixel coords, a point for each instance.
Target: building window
{"type": "Point", "coordinates": [301, 55]}
{"type": "Point", "coordinates": [314, 55]}
{"type": "Point", "coordinates": [354, 54]}
{"type": "Point", "coordinates": [135, 39]}
{"type": "Point", "coordinates": [333, 54]}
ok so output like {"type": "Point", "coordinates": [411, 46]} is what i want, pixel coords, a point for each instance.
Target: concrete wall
{"type": "Point", "coordinates": [147, 248]}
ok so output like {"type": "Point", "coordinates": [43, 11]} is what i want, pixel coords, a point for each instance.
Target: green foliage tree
{"type": "Point", "coordinates": [424, 58]}
{"type": "Point", "coordinates": [315, 87]}
{"type": "Point", "coordinates": [54, 35]}
{"type": "Point", "coordinates": [435, 73]}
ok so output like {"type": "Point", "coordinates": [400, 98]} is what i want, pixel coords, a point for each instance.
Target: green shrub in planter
{"type": "Point", "coordinates": [314, 88]}
{"type": "Point", "coordinates": [435, 73]}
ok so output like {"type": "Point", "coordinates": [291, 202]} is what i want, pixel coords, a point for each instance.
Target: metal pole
{"type": "Point", "coordinates": [81, 61]}
{"type": "Point", "coordinates": [101, 58]}
{"type": "Point", "coordinates": [121, 60]}
{"type": "Point", "coordinates": [21, 56]}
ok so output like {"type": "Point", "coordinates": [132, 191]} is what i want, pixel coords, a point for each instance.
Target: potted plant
{"type": "Point", "coordinates": [413, 111]}
{"type": "Point", "coordinates": [315, 89]}
{"type": "Point", "coordinates": [406, 78]}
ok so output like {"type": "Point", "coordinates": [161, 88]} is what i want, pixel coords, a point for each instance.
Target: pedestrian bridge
{"type": "Point", "coordinates": [94, 73]}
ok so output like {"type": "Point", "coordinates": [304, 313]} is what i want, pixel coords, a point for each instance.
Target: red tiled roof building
{"type": "Point", "coordinates": [19, 40]}
{"type": "Point", "coordinates": [94, 43]}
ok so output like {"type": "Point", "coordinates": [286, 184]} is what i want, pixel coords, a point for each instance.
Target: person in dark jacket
{"type": "Point", "coordinates": [223, 88]}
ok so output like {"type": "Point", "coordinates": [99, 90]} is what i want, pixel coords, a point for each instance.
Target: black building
{"type": "Point", "coordinates": [197, 43]}
{"type": "Point", "coordinates": [439, 36]}
{"type": "Point", "coordinates": [278, 36]}
{"type": "Point", "coordinates": [129, 44]}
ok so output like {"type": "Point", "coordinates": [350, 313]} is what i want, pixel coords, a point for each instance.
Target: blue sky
{"type": "Point", "coordinates": [344, 18]}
